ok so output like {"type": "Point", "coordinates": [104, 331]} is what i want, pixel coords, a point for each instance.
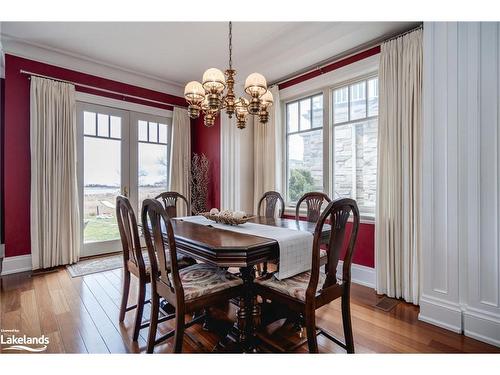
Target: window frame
{"type": "Point", "coordinates": [326, 97]}
{"type": "Point", "coordinates": [328, 133]}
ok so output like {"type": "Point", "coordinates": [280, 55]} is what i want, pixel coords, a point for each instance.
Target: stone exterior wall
{"type": "Point", "coordinates": [355, 156]}
{"type": "Point", "coordinates": [365, 149]}
{"type": "Point", "coordinates": [313, 157]}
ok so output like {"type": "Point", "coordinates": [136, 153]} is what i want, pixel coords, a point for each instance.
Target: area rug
{"type": "Point", "coordinates": [94, 265]}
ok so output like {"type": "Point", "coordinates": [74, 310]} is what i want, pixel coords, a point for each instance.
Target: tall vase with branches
{"type": "Point", "coordinates": [199, 183]}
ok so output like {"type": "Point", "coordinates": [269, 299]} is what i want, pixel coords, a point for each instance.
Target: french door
{"type": "Point", "coordinates": [119, 152]}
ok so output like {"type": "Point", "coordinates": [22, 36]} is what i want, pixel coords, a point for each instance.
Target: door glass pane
{"type": "Point", "coordinates": [305, 114]}
{"type": "Point", "coordinates": [102, 125]}
{"type": "Point", "coordinates": [153, 170]}
{"type": "Point", "coordinates": [143, 131]}
{"type": "Point", "coordinates": [292, 117]}
{"type": "Point", "coordinates": [358, 100]}
{"type": "Point", "coordinates": [305, 163]}
{"type": "Point", "coordinates": [102, 183]}
{"type": "Point", "coordinates": [340, 105]}
{"type": "Point", "coordinates": [162, 133]}
{"type": "Point", "coordinates": [89, 123]}
{"type": "Point", "coordinates": [116, 130]}
{"type": "Point", "coordinates": [153, 132]}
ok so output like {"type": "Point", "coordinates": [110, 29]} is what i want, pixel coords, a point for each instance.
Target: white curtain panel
{"type": "Point", "coordinates": [180, 160]}
{"type": "Point", "coordinates": [397, 247]}
{"type": "Point", "coordinates": [268, 151]}
{"type": "Point", "coordinates": [55, 217]}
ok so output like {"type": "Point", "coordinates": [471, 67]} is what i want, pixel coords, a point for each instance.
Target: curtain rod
{"type": "Point", "coordinates": [97, 88]}
{"type": "Point", "coordinates": [353, 51]}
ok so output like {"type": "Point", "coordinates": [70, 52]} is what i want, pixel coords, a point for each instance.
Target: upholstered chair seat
{"type": "Point", "coordinates": [294, 286]}
{"type": "Point", "coordinates": [203, 279]}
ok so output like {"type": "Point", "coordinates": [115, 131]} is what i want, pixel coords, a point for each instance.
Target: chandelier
{"type": "Point", "coordinates": [208, 97]}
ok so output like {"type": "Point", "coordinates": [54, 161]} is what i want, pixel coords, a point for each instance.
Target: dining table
{"type": "Point", "coordinates": [227, 248]}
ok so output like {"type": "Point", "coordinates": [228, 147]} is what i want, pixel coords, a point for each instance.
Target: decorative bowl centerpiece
{"type": "Point", "coordinates": [226, 216]}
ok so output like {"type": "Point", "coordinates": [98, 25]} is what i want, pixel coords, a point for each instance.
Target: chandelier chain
{"type": "Point", "coordinates": [230, 45]}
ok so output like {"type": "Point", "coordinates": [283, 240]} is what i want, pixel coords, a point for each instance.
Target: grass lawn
{"type": "Point", "coordinates": [101, 229]}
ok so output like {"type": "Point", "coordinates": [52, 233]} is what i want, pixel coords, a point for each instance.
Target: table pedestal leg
{"type": "Point", "coordinates": [248, 316]}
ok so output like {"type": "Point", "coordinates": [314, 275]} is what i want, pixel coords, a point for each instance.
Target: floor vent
{"type": "Point", "coordinates": [386, 304]}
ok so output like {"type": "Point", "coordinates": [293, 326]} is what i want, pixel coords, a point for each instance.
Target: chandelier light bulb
{"type": "Point", "coordinates": [194, 92]}
{"type": "Point", "coordinates": [267, 99]}
{"type": "Point", "coordinates": [214, 81]}
{"type": "Point", "coordinates": [255, 85]}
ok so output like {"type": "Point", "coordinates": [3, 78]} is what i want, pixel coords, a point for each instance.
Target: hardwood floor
{"type": "Point", "coordinates": [80, 315]}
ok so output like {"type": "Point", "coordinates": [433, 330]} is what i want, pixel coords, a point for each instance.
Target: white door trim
{"type": "Point", "coordinates": [121, 104]}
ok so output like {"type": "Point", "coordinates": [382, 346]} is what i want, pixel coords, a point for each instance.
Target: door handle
{"type": "Point", "coordinates": [125, 191]}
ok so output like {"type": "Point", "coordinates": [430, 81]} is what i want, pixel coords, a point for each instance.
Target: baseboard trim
{"type": "Point", "coordinates": [20, 263]}
{"type": "Point", "coordinates": [440, 313]}
{"type": "Point", "coordinates": [361, 275]}
{"type": "Point", "coordinates": [482, 327]}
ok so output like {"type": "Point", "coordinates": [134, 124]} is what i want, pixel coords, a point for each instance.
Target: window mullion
{"type": "Point", "coordinates": [366, 99]}
{"type": "Point", "coordinates": [348, 103]}
{"type": "Point", "coordinates": [354, 161]}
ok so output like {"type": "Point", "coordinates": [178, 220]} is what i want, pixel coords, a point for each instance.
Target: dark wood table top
{"type": "Point", "coordinates": [226, 248]}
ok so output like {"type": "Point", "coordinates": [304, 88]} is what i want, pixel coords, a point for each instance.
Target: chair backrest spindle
{"type": "Point", "coordinates": [271, 198]}
{"type": "Point", "coordinates": [314, 201]}
{"type": "Point", "coordinates": [129, 233]}
{"type": "Point", "coordinates": [169, 200]}
{"type": "Point", "coordinates": [338, 212]}
{"type": "Point", "coordinates": [160, 241]}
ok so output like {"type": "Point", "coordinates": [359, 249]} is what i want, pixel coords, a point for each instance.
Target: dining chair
{"type": "Point", "coordinates": [270, 199]}
{"type": "Point", "coordinates": [135, 262]}
{"type": "Point", "coordinates": [188, 290]}
{"type": "Point", "coordinates": [308, 291]}
{"type": "Point", "coordinates": [169, 200]}
{"type": "Point", "coordinates": [314, 201]}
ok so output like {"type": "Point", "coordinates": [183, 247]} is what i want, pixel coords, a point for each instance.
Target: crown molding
{"type": "Point", "coordinates": [49, 55]}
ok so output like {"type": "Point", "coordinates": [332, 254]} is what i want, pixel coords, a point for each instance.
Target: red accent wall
{"type": "Point", "coordinates": [207, 141]}
{"type": "Point", "coordinates": [16, 141]}
{"type": "Point", "coordinates": [364, 251]}
{"type": "Point", "coordinates": [16, 144]}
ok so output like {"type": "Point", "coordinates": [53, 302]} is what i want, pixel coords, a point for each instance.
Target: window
{"type": "Point", "coordinates": [352, 142]}
{"type": "Point", "coordinates": [153, 159]}
{"type": "Point", "coordinates": [102, 175]}
{"type": "Point", "coordinates": [304, 138]}
{"type": "Point", "coordinates": [355, 144]}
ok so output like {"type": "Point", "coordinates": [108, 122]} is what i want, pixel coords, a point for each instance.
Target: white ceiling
{"type": "Point", "coordinates": [178, 52]}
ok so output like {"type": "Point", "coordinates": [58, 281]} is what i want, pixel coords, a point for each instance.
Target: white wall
{"type": "Point", "coordinates": [461, 179]}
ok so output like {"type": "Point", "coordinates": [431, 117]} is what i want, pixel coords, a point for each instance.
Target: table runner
{"type": "Point", "coordinates": [295, 246]}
